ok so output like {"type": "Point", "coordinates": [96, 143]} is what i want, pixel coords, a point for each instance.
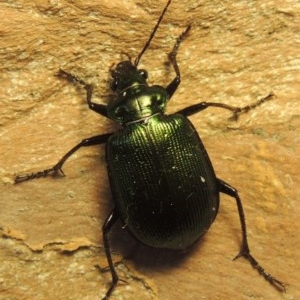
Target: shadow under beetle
{"type": "Point", "coordinates": [164, 186]}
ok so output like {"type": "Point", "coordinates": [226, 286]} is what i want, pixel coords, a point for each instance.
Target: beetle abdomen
{"type": "Point", "coordinates": [163, 183]}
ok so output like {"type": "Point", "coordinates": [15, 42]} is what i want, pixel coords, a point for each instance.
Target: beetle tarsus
{"type": "Point", "coordinates": [254, 263]}
{"type": "Point", "coordinates": [41, 174]}
{"type": "Point", "coordinates": [75, 79]}
{"type": "Point", "coordinates": [70, 77]}
{"type": "Point", "coordinates": [237, 111]}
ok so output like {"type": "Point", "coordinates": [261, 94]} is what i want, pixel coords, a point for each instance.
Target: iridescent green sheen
{"type": "Point", "coordinates": [162, 180]}
{"type": "Point", "coordinates": [135, 100]}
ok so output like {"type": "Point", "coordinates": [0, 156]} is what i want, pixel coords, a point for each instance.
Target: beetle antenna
{"type": "Point", "coordinates": [137, 60]}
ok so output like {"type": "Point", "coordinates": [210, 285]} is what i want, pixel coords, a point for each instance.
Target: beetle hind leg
{"type": "Point", "coordinates": [110, 221]}
{"type": "Point", "coordinates": [245, 251]}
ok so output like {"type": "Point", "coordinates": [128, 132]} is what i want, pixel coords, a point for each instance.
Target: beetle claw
{"type": "Point", "coordinates": [58, 172]}
{"type": "Point", "coordinates": [107, 268]}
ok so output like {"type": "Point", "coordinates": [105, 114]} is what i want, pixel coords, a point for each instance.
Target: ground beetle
{"type": "Point", "coordinates": [163, 184]}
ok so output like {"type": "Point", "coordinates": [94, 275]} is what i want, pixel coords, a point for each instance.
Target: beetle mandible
{"type": "Point", "coordinates": [164, 187]}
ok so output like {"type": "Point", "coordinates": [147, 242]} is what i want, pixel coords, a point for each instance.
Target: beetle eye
{"type": "Point", "coordinates": [114, 84]}
{"type": "Point", "coordinates": [158, 99]}
{"type": "Point", "coordinates": [120, 111]}
{"type": "Point", "coordinates": [143, 73]}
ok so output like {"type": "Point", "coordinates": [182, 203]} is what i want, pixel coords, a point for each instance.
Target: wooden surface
{"type": "Point", "coordinates": [236, 52]}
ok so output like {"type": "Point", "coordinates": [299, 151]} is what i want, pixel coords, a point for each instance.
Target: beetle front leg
{"type": "Point", "coordinates": [171, 88]}
{"type": "Point", "coordinates": [245, 251]}
{"type": "Point", "coordinates": [95, 140]}
{"type": "Point", "coordinates": [98, 108]}
{"type": "Point", "coordinates": [110, 221]}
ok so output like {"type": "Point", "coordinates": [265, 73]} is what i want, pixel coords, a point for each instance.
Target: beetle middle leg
{"type": "Point", "coordinates": [245, 251]}
{"type": "Point", "coordinates": [95, 140]}
{"type": "Point", "coordinates": [237, 111]}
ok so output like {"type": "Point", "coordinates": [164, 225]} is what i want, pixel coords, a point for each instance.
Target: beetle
{"type": "Point", "coordinates": [163, 184]}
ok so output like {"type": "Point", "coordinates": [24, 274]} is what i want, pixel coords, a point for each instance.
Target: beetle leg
{"type": "Point", "coordinates": [110, 221]}
{"type": "Point", "coordinates": [98, 108]}
{"type": "Point", "coordinates": [95, 140]}
{"type": "Point", "coordinates": [193, 109]}
{"type": "Point", "coordinates": [171, 88]}
{"type": "Point", "coordinates": [245, 251]}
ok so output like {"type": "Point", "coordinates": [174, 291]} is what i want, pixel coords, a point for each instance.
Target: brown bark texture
{"type": "Point", "coordinates": [236, 52]}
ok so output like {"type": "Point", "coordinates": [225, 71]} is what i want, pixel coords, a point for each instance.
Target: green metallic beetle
{"type": "Point", "coordinates": [164, 186]}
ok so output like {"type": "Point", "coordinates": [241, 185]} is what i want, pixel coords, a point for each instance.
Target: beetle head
{"type": "Point", "coordinates": [135, 100]}
{"type": "Point", "coordinates": [126, 75]}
